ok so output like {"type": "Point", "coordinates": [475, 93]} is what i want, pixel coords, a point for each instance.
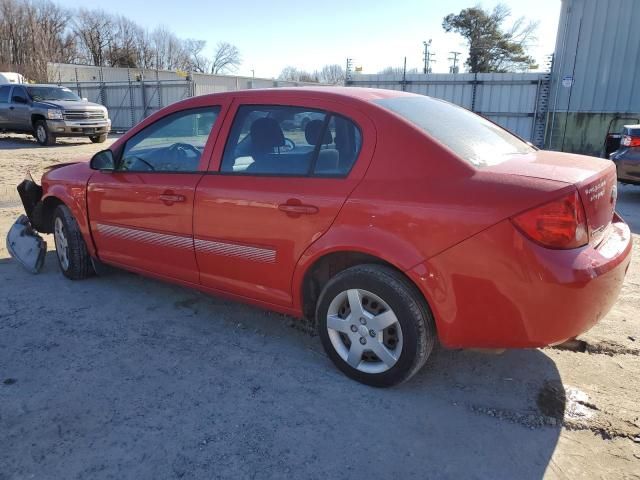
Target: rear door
{"type": "Point", "coordinates": [141, 214]}
{"type": "Point", "coordinates": [274, 187]}
{"type": "Point", "coordinates": [5, 90]}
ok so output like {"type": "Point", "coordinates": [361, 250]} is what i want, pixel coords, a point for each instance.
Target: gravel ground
{"type": "Point", "coordinates": [125, 377]}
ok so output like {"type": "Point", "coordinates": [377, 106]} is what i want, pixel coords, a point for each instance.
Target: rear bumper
{"type": "Point", "coordinates": [500, 290]}
{"type": "Point", "coordinates": [66, 128]}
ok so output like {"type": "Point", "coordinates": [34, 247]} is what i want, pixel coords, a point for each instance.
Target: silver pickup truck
{"type": "Point", "coordinates": [50, 111]}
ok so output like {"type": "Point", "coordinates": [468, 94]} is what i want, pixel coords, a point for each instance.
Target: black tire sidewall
{"type": "Point", "coordinates": [98, 138]}
{"type": "Point", "coordinates": [400, 298]}
{"type": "Point", "coordinates": [80, 266]}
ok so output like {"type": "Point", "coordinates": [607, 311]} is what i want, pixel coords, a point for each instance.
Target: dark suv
{"type": "Point", "coordinates": [50, 111]}
{"type": "Point", "coordinates": [627, 157]}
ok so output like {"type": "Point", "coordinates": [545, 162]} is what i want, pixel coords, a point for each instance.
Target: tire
{"type": "Point", "coordinates": [407, 343]}
{"type": "Point", "coordinates": [98, 138]}
{"type": "Point", "coordinates": [73, 257]}
{"type": "Point", "coordinates": [42, 134]}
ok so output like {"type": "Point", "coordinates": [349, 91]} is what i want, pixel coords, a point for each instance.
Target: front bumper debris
{"type": "Point", "coordinates": [25, 245]}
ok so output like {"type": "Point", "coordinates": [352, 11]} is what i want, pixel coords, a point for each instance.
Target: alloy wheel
{"type": "Point", "coordinates": [41, 134]}
{"type": "Point", "coordinates": [62, 245]}
{"type": "Point", "coordinates": [364, 331]}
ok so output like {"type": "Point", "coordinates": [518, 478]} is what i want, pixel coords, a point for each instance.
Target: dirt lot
{"type": "Point", "coordinates": [124, 377]}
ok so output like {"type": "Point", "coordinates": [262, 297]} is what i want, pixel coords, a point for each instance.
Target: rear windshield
{"type": "Point", "coordinates": [471, 137]}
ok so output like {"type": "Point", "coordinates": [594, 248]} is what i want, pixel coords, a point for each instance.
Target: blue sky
{"type": "Point", "coordinates": [274, 34]}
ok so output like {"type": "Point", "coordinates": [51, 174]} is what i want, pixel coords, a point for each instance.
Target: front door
{"type": "Point", "coordinates": [285, 173]}
{"type": "Point", "coordinates": [19, 115]}
{"type": "Point", "coordinates": [141, 214]}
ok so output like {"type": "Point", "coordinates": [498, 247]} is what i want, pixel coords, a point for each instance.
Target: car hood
{"type": "Point", "coordinates": [69, 105]}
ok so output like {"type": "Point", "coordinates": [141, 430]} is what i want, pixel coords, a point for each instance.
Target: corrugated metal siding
{"type": "Point", "coordinates": [509, 99]}
{"type": "Point", "coordinates": [598, 44]}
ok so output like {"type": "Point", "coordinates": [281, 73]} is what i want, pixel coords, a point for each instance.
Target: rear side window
{"type": "Point", "coordinates": [4, 94]}
{"type": "Point", "coordinates": [471, 137]}
{"type": "Point", "coordinates": [290, 141]}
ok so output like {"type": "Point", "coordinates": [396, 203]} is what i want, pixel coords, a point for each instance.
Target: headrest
{"type": "Point", "coordinates": [312, 133]}
{"type": "Point", "coordinates": [266, 134]}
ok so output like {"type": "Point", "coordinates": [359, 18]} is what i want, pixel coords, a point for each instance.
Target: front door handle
{"type": "Point", "coordinates": [295, 209]}
{"type": "Point", "coordinates": [12, 108]}
{"type": "Point", "coordinates": [170, 198]}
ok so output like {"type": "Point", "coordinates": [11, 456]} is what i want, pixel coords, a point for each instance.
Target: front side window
{"type": "Point", "coordinates": [473, 138]}
{"type": "Point", "coordinates": [4, 94]}
{"type": "Point", "coordinates": [172, 144]}
{"type": "Point", "coordinates": [290, 141]}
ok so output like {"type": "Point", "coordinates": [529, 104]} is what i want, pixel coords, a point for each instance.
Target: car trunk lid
{"type": "Point", "coordinates": [594, 178]}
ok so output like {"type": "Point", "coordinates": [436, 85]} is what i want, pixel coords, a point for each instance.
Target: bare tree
{"type": "Point", "coordinates": [332, 74]}
{"type": "Point", "coordinates": [94, 29]}
{"type": "Point", "coordinates": [391, 71]}
{"type": "Point", "coordinates": [33, 33]}
{"type": "Point", "coordinates": [198, 62]}
{"type": "Point", "coordinates": [226, 58]}
{"type": "Point", "coordinates": [294, 74]}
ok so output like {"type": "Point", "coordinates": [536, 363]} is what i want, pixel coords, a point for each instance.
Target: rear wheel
{"type": "Point", "coordinates": [42, 134]}
{"type": "Point", "coordinates": [73, 257]}
{"type": "Point", "coordinates": [98, 138]}
{"type": "Point", "coordinates": [375, 325]}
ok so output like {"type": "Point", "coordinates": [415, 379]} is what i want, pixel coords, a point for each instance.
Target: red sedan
{"type": "Point", "coordinates": [391, 219]}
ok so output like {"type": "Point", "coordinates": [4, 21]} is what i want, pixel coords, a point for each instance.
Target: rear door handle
{"type": "Point", "coordinates": [12, 108]}
{"type": "Point", "coordinates": [292, 209]}
{"type": "Point", "coordinates": [171, 198]}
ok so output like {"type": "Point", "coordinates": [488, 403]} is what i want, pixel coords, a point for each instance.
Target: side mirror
{"type": "Point", "coordinates": [103, 161]}
{"type": "Point", "coordinates": [85, 99]}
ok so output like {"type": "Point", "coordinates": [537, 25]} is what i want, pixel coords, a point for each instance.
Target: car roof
{"type": "Point", "coordinates": [30, 85]}
{"type": "Point", "coordinates": [335, 93]}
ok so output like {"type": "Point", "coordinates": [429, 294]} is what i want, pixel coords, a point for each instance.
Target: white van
{"type": "Point", "coordinates": [11, 77]}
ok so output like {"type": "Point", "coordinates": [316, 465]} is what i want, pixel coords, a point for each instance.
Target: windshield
{"type": "Point", "coordinates": [471, 137]}
{"type": "Point", "coordinates": [52, 93]}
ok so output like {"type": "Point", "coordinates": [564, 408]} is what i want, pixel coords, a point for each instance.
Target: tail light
{"type": "Point", "coordinates": [559, 224]}
{"type": "Point", "coordinates": [630, 141]}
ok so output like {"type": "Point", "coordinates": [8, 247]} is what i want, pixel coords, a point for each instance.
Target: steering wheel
{"type": "Point", "coordinates": [130, 160]}
{"type": "Point", "coordinates": [179, 150]}
{"type": "Point", "coordinates": [288, 146]}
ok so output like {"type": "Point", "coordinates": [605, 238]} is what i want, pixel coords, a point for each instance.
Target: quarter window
{"type": "Point", "coordinates": [290, 141]}
{"type": "Point", "coordinates": [172, 144]}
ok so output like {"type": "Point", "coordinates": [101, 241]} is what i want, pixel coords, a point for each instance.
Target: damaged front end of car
{"type": "Point", "coordinates": [24, 243]}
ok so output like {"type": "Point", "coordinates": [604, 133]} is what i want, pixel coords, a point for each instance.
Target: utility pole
{"type": "Point", "coordinates": [454, 58]}
{"type": "Point", "coordinates": [347, 73]}
{"type": "Point", "coordinates": [427, 57]}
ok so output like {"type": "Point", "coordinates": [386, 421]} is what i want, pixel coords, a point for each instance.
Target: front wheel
{"type": "Point", "coordinates": [98, 138]}
{"type": "Point", "coordinates": [73, 257]}
{"type": "Point", "coordinates": [374, 325]}
{"type": "Point", "coordinates": [43, 136]}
